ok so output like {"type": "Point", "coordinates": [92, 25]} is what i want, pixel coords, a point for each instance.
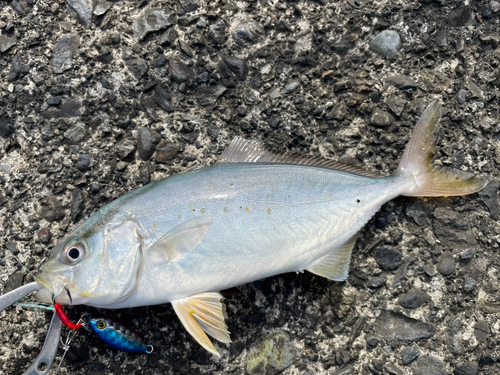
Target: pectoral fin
{"type": "Point", "coordinates": [183, 238]}
{"type": "Point", "coordinates": [203, 313]}
{"type": "Point", "coordinates": [335, 266]}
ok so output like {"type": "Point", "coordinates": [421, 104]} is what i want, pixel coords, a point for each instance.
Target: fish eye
{"type": "Point", "coordinates": [74, 252]}
{"type": "Point", "coordinates": [101, 324]}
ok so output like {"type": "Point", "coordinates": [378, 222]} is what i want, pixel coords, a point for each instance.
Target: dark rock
{"type": "Point", "coordinates": [124, 148]}
{"type": "Point", "coordinates": [115, 38]}
{"type": "Point", "coordinates": [166, 153]}
{"type": "Point", "coordinates": [397, 105]}
{"type": "Point", "coordinates": [105, 57]}
{"type": "Point", "coordinates": [51, 209]}
{"type": "Point", "coordinates": [416, 212]}
{"type": "Point", "coordinates": [462, 96]}
{"type": "Point", "coordinates": [6, 127]}
{"type": "Point", "coordinates": [427, 364]}
{"type": "Point", "coordinates": [70, 108]}
{"type": "Point", "coordinates": [487, 12]}
{"type": "Point", "coordinates": [446, 265]}
{"type": "Point", "coordinates": [377, 282]}
{"type": "Point", "coordinates": [7, 41]}
{"type": "Point", "coordinates": [291, 87]}
{"type": "Point", "coordinates": [81, 10]}
{"type": "Point", "coordinates": [394, 326]}
{"type": "Point", "coordinates": [168, 37]}
{"type": "Point", "coordinates": [246, 33]}
{"type": "Point", "coordinates": [94, 189]}
{"type": "Point", "coordinates": [76, 204]}
{"type": "Point", "coordinates": [187, 6]}
{"type": "Point", "coordinates": [388, 258]}
{"type": "Point", "coordinates": [147, 140]}
{"type": "Point", "coordinates": [217, 33]}
{"type": "Point", "coordinates": [160, 62]}
{"type": "Point", "coordinates": [430, 270]}
{"type": "Point", "coordinates": [207, 96]}
{"type": "Point", "coordinates": [13, 282]}
{"type": "Point", "coordinates": [489, 196]}
{"type": "Point", "coordinates": [76, 134]}
{"type": "Point", "coordinates": [180, 71]}
{"type": "Point", "coordinates": [413, 299]}
{"type": "Point", "coordinates": [380, 118]}
{"type": "Point", "coordinates": [441, 38]}
{"type": "Point", "coordinates": [275, 94]}
{"type": "Point", "coordinates": [15, 69]}
{"type": "Point", "coordinates": [237, 66]}
{"type": "Point", "coordinates": [138, 67]}
{"type": "Point", "coordinates": [409, 354]}
{"type": "Point", "coordinates": [387, 43]}
{"type": "Point", "coordinates": [83, 163]}
{"type": "Point", "coordinates": [148, 106]}
{"type": "Point", "coordinates": [184, 47]}
{"type": "Point", "coordinates": [460, 17]}
{"type": "Point", "coordinates": [44, 236]}
{"type": "Point", "coordinates": [341, 85]}
{"type": "Point", "coordinates": [401, 82]}
{"type": "Point", "coordinates": [452, 229]}
{"type": "Point", "coordinates": [372, 341]}
{"type": "Point", "coordinates": [481, 331]}
{"type": "Point", "coordinates": [151, 20]}
{"type": "Point", "coordinates": [102, 7]}
{"type": "Point", "coordinates": [62, 59]}
{"type": "Point", "coordinates": [401, 272]}
{"type": "Point", "coordinates": [466, 369]}
{"type": "Point", "coordinates": [17, 7]}
{"type": "Point", "coordinates": [469, 285]}
{"type": "Point", "coordinates": [53, 100]}
{"type": "Point", "coordinates": [163, 99]}
{"type": "Point", "coordinates": [467, 254]}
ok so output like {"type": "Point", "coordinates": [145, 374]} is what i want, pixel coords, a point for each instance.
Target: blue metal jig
{"type": "Point", "coordinates": [119, 336]}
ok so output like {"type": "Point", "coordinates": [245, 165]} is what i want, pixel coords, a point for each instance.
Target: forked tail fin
{"type": "Point", "coordinates": [417, 162]}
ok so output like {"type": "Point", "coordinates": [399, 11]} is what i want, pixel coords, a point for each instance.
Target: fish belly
{"type": "Point", "coordinates": [266, 220]}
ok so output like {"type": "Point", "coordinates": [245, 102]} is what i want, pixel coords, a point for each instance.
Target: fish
{"type": "Point", "coordinates": [251, 215]}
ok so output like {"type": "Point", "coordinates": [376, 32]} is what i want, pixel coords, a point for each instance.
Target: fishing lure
{"type": "Point", "coordinates": [119, 336]}
{"type": "Point", "coordinates": [57, 308]}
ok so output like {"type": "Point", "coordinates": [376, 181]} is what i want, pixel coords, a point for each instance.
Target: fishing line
{"type": "Point", "coordinates": [65, 345]}
{"type": "Point", "coordinates": [20, 263]}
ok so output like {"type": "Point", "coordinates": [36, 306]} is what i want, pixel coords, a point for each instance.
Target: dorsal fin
{"type": "Point", "coordinates": [242, 151]}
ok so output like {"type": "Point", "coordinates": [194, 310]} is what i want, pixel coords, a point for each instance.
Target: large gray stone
{"type": "Point", "coordinates": [151, 20]}
{"type": "Point", "coordinates": [387, 43]}
{"type": "Point", "coordinates": [395, 326]}
{"type": "Point", "coordinates": [62, 59]}
{"type": "Point", "coordinates": [81, 10]}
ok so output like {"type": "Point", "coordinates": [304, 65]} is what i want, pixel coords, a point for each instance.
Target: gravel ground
{"type": "Point", "coordinates": [99, 97]}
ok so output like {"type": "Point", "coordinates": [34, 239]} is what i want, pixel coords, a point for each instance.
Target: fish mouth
{"type": "Point", "coordinates": [49, 294]}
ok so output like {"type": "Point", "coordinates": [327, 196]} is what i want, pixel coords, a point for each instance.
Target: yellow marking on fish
{"type": "Point", "coordinates": [155, 226]}
{"type": "Point", "coordinates": [269, 211]}
{"type": "Point", "coordinates": [179, 216]}
{"type": "Point", "coordinates": [203, 210]}
{"type": "Point", "coordinates": [329, 195]}
{"type": "Point", "coordinates": [247, 209]}
{"type": "Point", "coordinates": [85, 294]}
{"type": "Point", "coordinates": [226, 209]}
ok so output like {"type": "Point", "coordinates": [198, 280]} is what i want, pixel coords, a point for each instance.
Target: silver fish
{"type": "Point", "coordinates": [253, 214]}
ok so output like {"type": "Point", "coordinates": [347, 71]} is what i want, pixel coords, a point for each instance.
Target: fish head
{"type": "Point", "coordinates": [98, 264]}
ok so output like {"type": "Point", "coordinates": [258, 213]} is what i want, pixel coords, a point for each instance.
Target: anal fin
{"type": "Point", "coordinates": [203, 313]}
{"type": "Point", "coordinates": [335, 265]}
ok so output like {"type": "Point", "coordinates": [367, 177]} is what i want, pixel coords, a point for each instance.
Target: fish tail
{"type": "Point", "coordinates": [417, 160]}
